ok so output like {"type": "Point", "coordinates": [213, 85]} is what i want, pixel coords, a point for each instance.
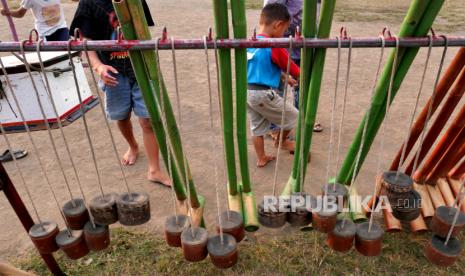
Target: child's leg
{"type": "Point", "coordinates": [286, 143]}
{"type": "Point", "coordinates": [262, 158]}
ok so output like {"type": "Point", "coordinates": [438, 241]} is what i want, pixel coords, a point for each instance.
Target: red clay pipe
{"type": "Point", "coordinates": [454, 98]}
{"type": "Point", "coordinates": [442, 88]}
{"type": "Point", "coordinates": [458, 171]}
{"type": "Point", "coordinates": [26, 220]}
{"type": "Point", "coordinates": [453, 155]}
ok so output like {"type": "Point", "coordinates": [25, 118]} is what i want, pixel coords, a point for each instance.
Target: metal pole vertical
{"type": "Point", "coordinates": [26, 220]}
{"type": "Point", "coordinates": [14, 34]}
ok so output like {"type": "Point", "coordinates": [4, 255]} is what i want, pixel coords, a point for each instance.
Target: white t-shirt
{"type": "Point", "coordinates": [48, 15]}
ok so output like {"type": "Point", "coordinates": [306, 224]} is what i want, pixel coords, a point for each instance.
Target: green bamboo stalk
{"type": "Point", "coordinates": [324, 28]}
{"type": "Point", "coordinates": [240, 58]}
{"type": "Point", "coordinates": [220, 8]}
{"type": "Point", "coordinates": [142, 33]}
{"type": "Point", "coordinates": [308, 31]}
{"type": "Point", "coordinates": [423, 26]}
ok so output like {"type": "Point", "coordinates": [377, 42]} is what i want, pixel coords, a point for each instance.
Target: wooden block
{"type": "Point", "coordinates": [445, 191]}
{"type": "Point", "coordinates": [427, 208]}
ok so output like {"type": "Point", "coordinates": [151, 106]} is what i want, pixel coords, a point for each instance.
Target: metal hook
{"type": "Point", "coordinates": [343, 32]}
{"type": "Point", "coordinates": [387, 31]}
{"type": "Point", "coordinates": [210, 34]}
{"type": "Point", "coordinates": [33, 31]}
{"type": "Point", "coordinates": [119, 34]}
{"type": "Point", "coordinates": [433, 33]}
{"type": "Point", "coordinates": [164, 35]}
{"type": "Point", "coordinates": [77, 35]}
{"type": "Point", "coordinates": [297, 34]}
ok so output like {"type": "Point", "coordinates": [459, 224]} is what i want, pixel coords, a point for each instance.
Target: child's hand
{"type": "Point", "coordinates": [291, 81]}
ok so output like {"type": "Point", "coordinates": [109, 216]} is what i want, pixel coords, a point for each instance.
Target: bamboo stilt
{"type": "Point", "coordinates": [220, 8]}
{"type": "Point", "coordinates": [324, 28]}
{"type": "Point", "coordinates": [427, 208]}
{"type": "Point", "coordinates": [306, 64]}
{"type": "Point", "coordinates": [369, 206]}
{"type": "Point", "coordinates": [142, 77]}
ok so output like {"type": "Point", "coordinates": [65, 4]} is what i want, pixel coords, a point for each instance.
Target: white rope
{"type": "Point", "coordinates": [283, 116]}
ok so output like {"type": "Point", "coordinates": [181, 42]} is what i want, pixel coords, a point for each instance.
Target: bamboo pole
{"type": "Point", "coordinates": [450, 158]}
{"type": "Point", "coordinates": [419, 18]}
{"type": "Point", "coordinates": [147, 88]}
{"type": "Point", "coordinates": [355, 206]}
{"type": "Point", "coordinates": [435, 195]}
{"type": "Point", "coordinates": [220, 8]}
{"type": "Point", "coordinates": [240, 58]}
{"type": "Point", "coordinates": [446, 191]}
{"type": "Point", "coordinates": [427, 208]}
{"type": "Point", "coordinates": [452, 132]}
{"type": "Point", "coordinates": [324, 28]}
{"type": "Point", "coordinates": [306, 64]}
{"type": "Point", "coordinates": [455, 187]}
{"type": "Point", "coordinates": [374, 199]}
{"type": "Point", "coordinates": [440, 92]}
{"type": "Point", "coordinates": [439, 123]}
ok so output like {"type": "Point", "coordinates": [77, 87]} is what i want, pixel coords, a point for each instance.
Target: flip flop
{"type": "Point", "coordinates": [7, 156]}
{"type": "Point", "coordinates": [317, 127]}
{"type": "Point", "coordinates": [160, 183]}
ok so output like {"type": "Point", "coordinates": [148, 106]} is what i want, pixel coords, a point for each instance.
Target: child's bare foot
{"type": "Point", "coordinates": [262, 162]}
{"type": "Point", "coordinates": [287, 145]}
{"type": "Point", "coordinates": [159, 178]}
{"type": "Point", "coordinates": [130, 157]}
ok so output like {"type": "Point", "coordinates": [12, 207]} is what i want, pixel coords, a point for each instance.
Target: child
{"type": "Point", "coordinates": [265, 67]}
{"type": "Point", "coordinates": [49, 18]}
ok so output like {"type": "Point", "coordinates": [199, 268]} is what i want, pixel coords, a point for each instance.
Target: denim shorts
{"type": "Point", "coordinates": [123, 98]}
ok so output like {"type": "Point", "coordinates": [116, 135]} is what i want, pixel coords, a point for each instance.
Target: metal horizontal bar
{"type": "Point", "coordinates": [189, 44]}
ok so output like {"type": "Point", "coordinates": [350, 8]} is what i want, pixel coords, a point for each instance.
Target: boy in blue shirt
{"type": "Point", "coordinates": [265, 67]}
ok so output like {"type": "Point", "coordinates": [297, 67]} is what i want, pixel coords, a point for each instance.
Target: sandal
{"type": "Point", "coordinates": [7, 156]}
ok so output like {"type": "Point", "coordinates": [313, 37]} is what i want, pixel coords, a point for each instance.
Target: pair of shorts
{"type": "Point", "coordinates": [265, 107]}
{"type": "Point", "coordinates": [122, 99]}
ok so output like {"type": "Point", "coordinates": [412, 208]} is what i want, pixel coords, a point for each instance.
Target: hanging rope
{"type": "Point", "coordinates": [422, 81]}
{"type": "Point", "coordinates": [34, 146]}
{"type": "Point", "coordinates": [102, 108]}
{"type": "Point", "coordinates": [385, 121]}
{"type": "Point", "coordinates": [430, 108]}
{"type": "Point", "coordinates": [283, 115]}
{"type": "Point", "coordinates": [212, 141]}
{"type": "Point", "coordinates": [52, 140]}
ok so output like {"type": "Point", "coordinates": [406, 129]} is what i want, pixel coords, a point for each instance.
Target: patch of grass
{"type": "Point", "coordinates": [133, 253]}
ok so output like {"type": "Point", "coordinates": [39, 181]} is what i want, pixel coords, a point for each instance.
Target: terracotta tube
{"type": "Point", "coordinates": [369, 206]}
{"type": "Point", "coordinates": [458, 171]}
{"type": "Point", "coordinates": [392, 224]}
{"type": "Point", "coordinates": [449, 159]}
{"type": "Point", "coordinates": [418, 225]}
{"type": "Point", "coordinates": [434, 131]}
{"type": "Point", "coordinates": [435, 195]}
{"type": "Point", "coordinates": [455, 187]}
{"type": "Point", "coordinates": [446, 192]}
{"type": "Point", "coordinates": [446, 81]}
{"type": "Point", "coordinates": [427, 208]}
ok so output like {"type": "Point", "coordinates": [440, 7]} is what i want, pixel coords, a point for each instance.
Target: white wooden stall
{"type": "Point", "coordinates": [62, 86]}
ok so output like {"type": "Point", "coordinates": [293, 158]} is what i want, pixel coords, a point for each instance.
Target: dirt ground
{"type": "Point", "coordinates": [191, 20]}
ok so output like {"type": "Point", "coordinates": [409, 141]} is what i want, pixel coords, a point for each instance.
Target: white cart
{"type": "Point", "coordinates": [62, 86]}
